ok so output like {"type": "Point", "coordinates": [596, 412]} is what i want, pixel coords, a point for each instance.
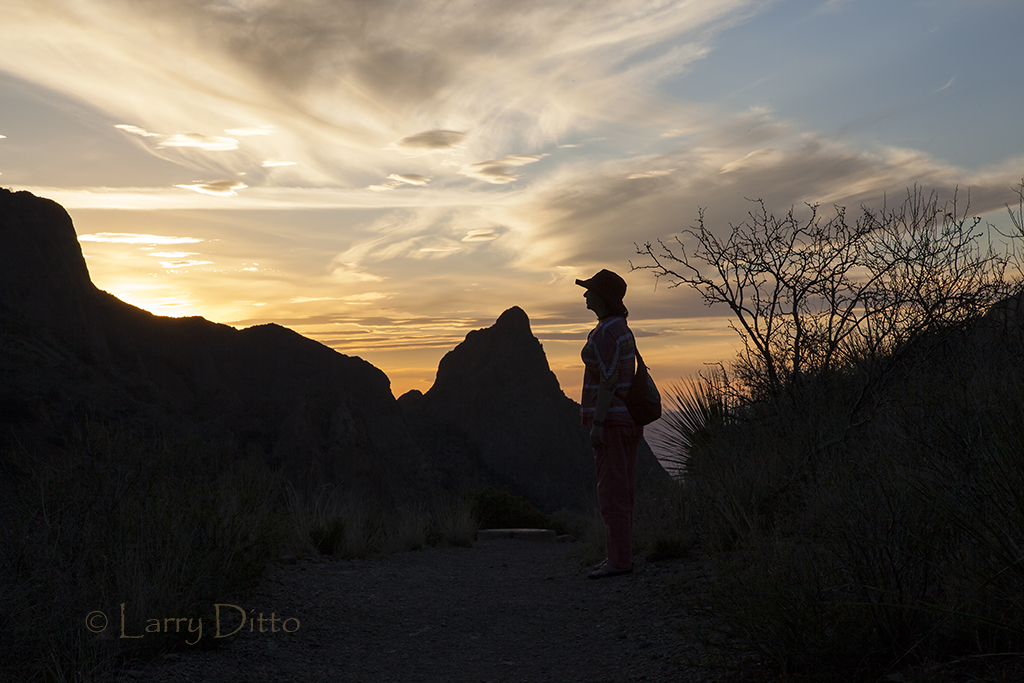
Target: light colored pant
{"type": "Point", "coordinates": [616, 480]}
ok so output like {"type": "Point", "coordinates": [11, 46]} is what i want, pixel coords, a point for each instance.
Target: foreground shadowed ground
{"type": "Point", "coordinates": [505, 610]}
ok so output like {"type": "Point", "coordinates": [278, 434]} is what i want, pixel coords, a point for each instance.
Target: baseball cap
{"type": "Point", "coordinates": [606, 285]}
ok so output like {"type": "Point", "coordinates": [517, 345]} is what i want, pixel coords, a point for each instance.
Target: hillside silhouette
{"type": "Point", "coordinates": [72, 353]}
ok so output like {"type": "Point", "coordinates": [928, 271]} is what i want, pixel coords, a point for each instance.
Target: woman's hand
{"type": "Point", "coordinates": [597, 436]}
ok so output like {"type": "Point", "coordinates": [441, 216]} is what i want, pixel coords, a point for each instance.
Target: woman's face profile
{"type": "Point", "coordinates": [595, 303]}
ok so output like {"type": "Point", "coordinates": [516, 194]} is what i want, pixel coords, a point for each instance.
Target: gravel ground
{"type": "Point", "coordinates": [504, 610]}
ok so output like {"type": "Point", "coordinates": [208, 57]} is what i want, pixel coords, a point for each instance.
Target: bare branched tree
{"type": "Point", "coordinates": [811, 295]}
{"type": "Point", "coordinates": [1016, 235]}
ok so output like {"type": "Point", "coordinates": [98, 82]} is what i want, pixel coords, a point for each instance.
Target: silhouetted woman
{"type": "Point", "coordinates": [609, 360]}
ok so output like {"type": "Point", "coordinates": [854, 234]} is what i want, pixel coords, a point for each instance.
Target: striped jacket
{"type": "Point", "coordinates": [609, 359]}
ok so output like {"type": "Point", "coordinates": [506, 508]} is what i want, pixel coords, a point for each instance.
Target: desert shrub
{"type": "Point", "coordinates": [162, 528]}
{"type": "Point", "coordinates": [317, 519]}
{"type": "Point", "coordinates": [453, 522]}
{"type": "Point", "coordinates": [328, 538]}
{"type": "Point", "coordinates": [860, 505]}
{"type": "Point", "coordinates": [501, 509]}
{"type": "Point", "coordinates": [340, 523]}
{"type": "Point", "coordinates": [849, 553]}
{"type": "Point", "coordinates": [332, 521]}
{"type": "Point", "coordinates": [970, 474]}
{"type": "Point", "coordinates": [408, 530]}
{"type": "Point", "coordinates": [364, 531]}
{"type": "Point", "coordinates": [662, 528]}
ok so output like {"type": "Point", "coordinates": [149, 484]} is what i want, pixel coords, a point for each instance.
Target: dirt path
{"type": "Point", "coordinates": [504, 610]}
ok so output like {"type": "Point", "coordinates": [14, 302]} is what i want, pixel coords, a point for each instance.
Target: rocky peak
{"type": "Point", "coordinates": [496, 415]}
{"type": "Point", "coordinates": [42, 270]}
{"type": "Point", "coordinates": [505, 357]}
{"type": "Point", "coordinates": [513, 321]}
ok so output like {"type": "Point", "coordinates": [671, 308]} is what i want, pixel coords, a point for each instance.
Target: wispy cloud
{"type": "Point", "coordinates": [588, 214]}
{"type": "Point", "coordinates": [396, 180]}
{"type": "Point", "coordinates": [410, 178]}
{"type": "Point", "coordinates": [248, 132]}
{"type": "Point", "coordinates": [757, 156]}
{"type": "Point", "coordinates": [135, 130]}
{"type": "Point", "coordinates": [216, 188]}
{"type": "Point", "coordinates": [365, 298]}
{"type": "Point", "coordinates": [311, 299]}
{"type": "Point", "coordinates": [484, 235]}
{"type": "Point", "coordinates": [438, 251]}
{"type": "Point", "coordinates": [467, 77]}
{"type": "Point", "coordinates": [208, 143]}
{"type": "Point", "coordinates": [432, 140]}
{"type": "Point", "coordinates": [183, 263]}
{"type": "Point", "coordinates": [948, 84]}
{"type": "Point", "coordinates": [171, 254]}
{"type": "Point", "coordinates": [499, 171]}
{"type": "Point", "coordinates": [132, 238]}
{"type": "Point", "coordinates": [651, 174]}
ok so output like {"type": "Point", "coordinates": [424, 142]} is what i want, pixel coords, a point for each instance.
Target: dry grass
{"type": "Point", "coordinates": [164, 530]}
{"type": "Point", "coordinates": [454, 522]}
{"type": "Point", "coordinates": [167, 530]}
{"type": "Point", "coordinates": [662, 528]}
{"type": "Point", "coordinates": [339, 524]}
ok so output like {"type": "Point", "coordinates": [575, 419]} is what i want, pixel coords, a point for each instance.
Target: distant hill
{"type": "Point", "coordinates": [71, 352]}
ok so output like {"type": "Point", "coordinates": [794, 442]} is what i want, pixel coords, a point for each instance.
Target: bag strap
{"type": "Point", "coordinates": [639, 358]}
{"type": "Point", "coordinates": [639, 364]}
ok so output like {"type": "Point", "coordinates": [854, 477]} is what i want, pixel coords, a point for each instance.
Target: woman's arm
{"type": "Point", "coordinates": [604, 401]}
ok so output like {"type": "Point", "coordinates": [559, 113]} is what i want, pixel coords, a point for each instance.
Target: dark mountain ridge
{"type": "Point", "coordinates": [70, 351]}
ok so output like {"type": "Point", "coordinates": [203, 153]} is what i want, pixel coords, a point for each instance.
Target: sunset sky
{"type": "Point", "coordinates": [385, 176]}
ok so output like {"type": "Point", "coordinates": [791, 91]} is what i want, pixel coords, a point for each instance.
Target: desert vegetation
{"type": "Point", "coordinates": [135, 526]}
{"type": "Point", "coordinates": [162, 527]}
{"type": "Point", "coordinates": [138, 527]}
{"type": "Point", "coordinates": [854, 480]}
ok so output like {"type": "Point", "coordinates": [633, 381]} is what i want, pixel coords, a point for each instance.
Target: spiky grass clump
{"type": "Point", "coordinates": [341, 524]}
{"type": "Point", "coordinates": [663, 529]}
{"type": "Point", "coordinates": [454, 522]}
{"type": "Point", "coordinates": [694, 408]}
{"type": "Point", "coordinates": [410, 530]}
{"type": "Point", "coordinates": [317, 519]}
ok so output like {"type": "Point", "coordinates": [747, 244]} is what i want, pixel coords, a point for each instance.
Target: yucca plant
{"type": "Point", "coordinates": [695, 406]}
